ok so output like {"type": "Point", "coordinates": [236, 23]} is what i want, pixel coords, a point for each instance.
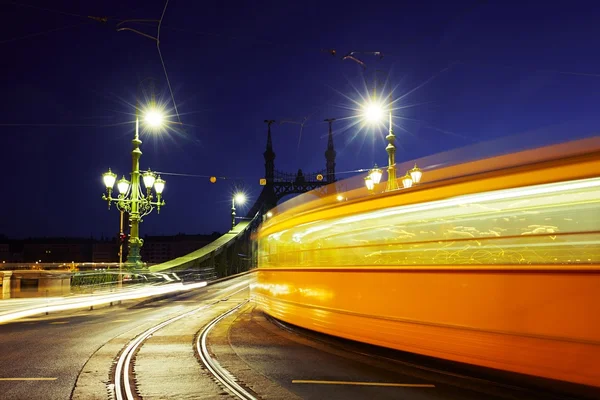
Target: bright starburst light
{"type": "Point", "coordinates": [240, 198]}
{"type": "Point", "coordinates": [373, 111]}
{"type": "Point", "coordinates": [376, 108]}
{"type": "Point", "coordinates": [369, 112]}
{"type": "Point", "coordinates": [154, 117]}
{"type": "Point", "coordinates": [157, 118]}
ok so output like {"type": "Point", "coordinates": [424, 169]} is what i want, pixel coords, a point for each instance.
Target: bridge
{"type": "Point", "coordinates": [234, 252]}
{"type": "Point", "coordinates": [492, 263]}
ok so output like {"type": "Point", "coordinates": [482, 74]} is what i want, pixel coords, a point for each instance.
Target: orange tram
{"type": "Point", "coordinates": [494, 263]}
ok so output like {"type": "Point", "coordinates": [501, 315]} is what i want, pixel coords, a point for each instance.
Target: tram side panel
{"type": "Point", "coordinates": [538, 323]}
{"type": "Point", "coordinates": [506, 279]}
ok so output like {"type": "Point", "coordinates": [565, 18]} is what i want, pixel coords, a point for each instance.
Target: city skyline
{"type": "Point", "coordinates": [461, 75]}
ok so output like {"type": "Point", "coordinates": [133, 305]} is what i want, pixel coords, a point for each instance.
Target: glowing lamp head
{"type": "Point", "coordinates": [159, 185]}
{"type": "Point", "coordinates": [149, 179]}
{"type": "Point", "coordinates": [375, 174]}
{"type": "Point", "coordinates": [407, 181]}
{"type": "Point", "coordinates": [369, 182]}
{"type": "Point", "coordinates": [123, 185]}
{"type": "Point", "coordinates": [109, 179]}
{"type": "Point", "coordinates": [154, 118]}
{"type": "Point", "coordinates": [373, 111]}
{"type": "Point", "coordinates": [339, 197]}
{"type": "Point", "coordinates": [416, 174]}
{"type": "Point", "coordinates": [239, 198]}
{"type": "Point", "coordinates": [269, 214]}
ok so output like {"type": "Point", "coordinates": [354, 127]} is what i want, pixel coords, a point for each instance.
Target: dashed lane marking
{"type": "Point", "coordinates": [412, 385]}
{"type": "Point", "coordinates": [28, 379]}
{"type": "Point", "coordinates": [59, 322]}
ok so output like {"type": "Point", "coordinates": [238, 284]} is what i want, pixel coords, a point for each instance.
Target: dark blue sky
{"type": "Point", "coordinates": [482, 69]}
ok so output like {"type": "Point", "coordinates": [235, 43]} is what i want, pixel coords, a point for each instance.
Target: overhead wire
{"type": "Point", "coordinates": [303, 124]}
{"type": "Point", "coordinates": [105, 19]}
{"type": "Point", "coordinates": [157, 40]}
{"type": "Point", "coordinates": [255, 40]}
{"type": "Point", "coordinates": [188, 175]}
{"type": "Point", "coordinates": [163, 62]}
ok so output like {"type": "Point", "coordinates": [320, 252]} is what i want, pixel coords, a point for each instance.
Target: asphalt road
{"type": "Point", "coordinates": [312, 366]}
{"type": "Point", "coordinates": [70, 355]}
{"type": "Point", "coordinates": [41, 357]}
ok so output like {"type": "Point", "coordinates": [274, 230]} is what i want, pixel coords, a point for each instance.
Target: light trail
{"type": "Point", "coordinates": [90, 301]}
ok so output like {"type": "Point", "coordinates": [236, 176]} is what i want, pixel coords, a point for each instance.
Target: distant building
{"type": "Point", "coordinates": [5, 255]}
{"type": "Point", "coordinates": [5, 252]}
{"type": "Point", "coordinates": [156, 249]}
{"type": "Point", "coordinates": [106, 251]}
{"type": "Point", "coordinates": [56, 250]}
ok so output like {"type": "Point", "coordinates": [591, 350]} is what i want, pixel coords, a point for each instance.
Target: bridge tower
{"type": "Point", "coordinates": [280, 184]}
{"type": "Point", "coordinates": [269, 154]}
{"type": "Point", "coordinates": [330, 154]}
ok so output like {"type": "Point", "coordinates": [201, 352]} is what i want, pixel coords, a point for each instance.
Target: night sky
{"type": "Point", "coordinates": [464, 72]}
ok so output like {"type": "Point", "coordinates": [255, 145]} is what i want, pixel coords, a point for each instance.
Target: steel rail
{"type": "Point", "coordinates": [122, 378]}
{"type": "Point", "coordinates": [220, 373]}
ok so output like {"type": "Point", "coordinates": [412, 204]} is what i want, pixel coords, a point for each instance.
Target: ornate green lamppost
{"type": "Point", "coordinates": [132, 199]}
{"type": "Point", "coordinates": [374, 112]}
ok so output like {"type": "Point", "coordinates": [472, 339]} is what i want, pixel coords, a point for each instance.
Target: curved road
{"type": "Point", "coordinates": [41, 357]}
{"type": "Point", "coordinates": [72, 355]}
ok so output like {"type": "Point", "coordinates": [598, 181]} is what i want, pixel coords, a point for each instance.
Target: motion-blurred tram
{"type": "Point", "coordinates": [494, 263]}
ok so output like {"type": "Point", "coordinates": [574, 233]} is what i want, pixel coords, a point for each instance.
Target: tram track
{"type": "Point", "coordinates": [123, 376]}
{"type": "Point", "coordinates": [213, 366]}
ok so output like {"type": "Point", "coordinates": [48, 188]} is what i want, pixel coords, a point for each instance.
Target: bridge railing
{"type": "Point", "coordinates": [231, 253]}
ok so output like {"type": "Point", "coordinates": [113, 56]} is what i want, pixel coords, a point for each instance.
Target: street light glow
{"type": "Point", "coordinates": [376, 174]}
{"type": "Point", "coordinates": [240, 198]}
{"type": "Point", "coordinates": [109, 179]}
{"type": "Point", "coordinates": [154, 118]}
{"type": "Point", "coordinates": [149, 179]}
{"type": "Point", "coordinates": [123, 185]}
{"type": "Point", "coordinates": [416, 174]}
{"type": "Point", "coordinates": [369, 182]}
{"type": "Point", "coordinates": [159, 185]}
{"type": "Point", "coordinates": [373, 111]}
{"type": "Point", "coordinates": [407, 181]}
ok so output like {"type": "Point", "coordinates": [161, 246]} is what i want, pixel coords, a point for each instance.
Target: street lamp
{"type": "Point", "coordinates": [407, 181]}
{"type": "Point", "coordinates": [131, 198]}
{"type": "Point", "coordinates": [374, 112]}
{"type": "Point", "coordinates": [416, 174]}
{"type": "Point", "coordinates": [375, 173]}
{"type": "Point", "coordinates": [369, 183]}
{"type": "Point", "coordinates": [240, 199]}
{"type": "Point", "coordinates": [412, 177]}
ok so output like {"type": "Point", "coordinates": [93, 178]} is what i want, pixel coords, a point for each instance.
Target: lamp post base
{"type": "Point", "coordinates": [134, 258]}
{"type": "Point", "coordinates": [134, 265]}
